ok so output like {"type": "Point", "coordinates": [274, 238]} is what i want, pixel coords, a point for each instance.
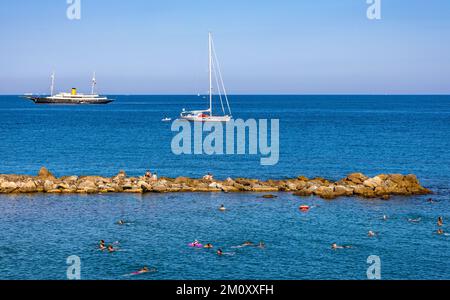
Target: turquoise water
{"type": "Point", "coordinates": [327, 136]}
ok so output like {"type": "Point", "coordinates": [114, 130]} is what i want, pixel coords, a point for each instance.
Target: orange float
{"type": "Point", "coordinates": [304, 208]}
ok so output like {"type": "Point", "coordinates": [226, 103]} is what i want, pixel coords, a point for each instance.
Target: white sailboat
{"type": "Point", "coordinates": [207, 115]}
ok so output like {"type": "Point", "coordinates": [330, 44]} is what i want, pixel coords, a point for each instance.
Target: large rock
{"type": "Point", "coordinates": [341, 190]}
{"type": "Point", "coordinates": [28, 187]}
{"type": "Point", "coordinates": [303, 193]}
{"type": "Point", "coordinates": [356, 178]}
{"type": "Point", "coordinates": [120, 177]}
{"type": "Point", "coordinates": [364, 191]}
{"type": "Point", "coordinates": [185, 180]}
{"type": "Point", "coordinates": [45, 174]}
{"type": "Point", "coordinates": [7, 187]}
{"type": "Point", "coordinates": [325, 192]}
{"type": "Point", "coordinates": [373, 182]}
{"type": "Point", "coordinates": [87, 186]}
{"type": "Point", "coordinates": [49, 185]}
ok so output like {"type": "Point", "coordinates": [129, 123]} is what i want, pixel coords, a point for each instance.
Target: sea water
{"type": "Point", "coordinates": [328, 136]}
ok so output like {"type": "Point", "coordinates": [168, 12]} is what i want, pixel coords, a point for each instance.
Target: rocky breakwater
{"type": "Point", "coordinates": [381, 186]}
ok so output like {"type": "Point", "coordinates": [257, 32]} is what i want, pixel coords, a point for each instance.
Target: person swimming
{"type": "Point", "coordinates": [371, 233]}
{"type": "Point", "coordinates": [121, 222]}
{"type": "Point", "coordinates": [440, 231]}
{"type": "Point", "coordinates": [440, 222]}
{"type": "Point", "coordinates": [222, 208]}
{"type": "Point", "coordinates": [102, 245]}
{"type": "Point", "coordinates": [385, 218]}
{"type": "Point", "coordinates": [430, 200]}
{"type": "Point", "coordinates": [415, 220]}
{"type": "Point", "coordinates": [219, 252]}
{"type": "Point", "coordinates": [261, 245]}
{"type": "Point", "coordinates": [245, 244]}
{"type": "Point", "coordinates": [111, 249]}
{"type": "Point", "coordinates": [145, 270]}
{"type": "Point", "coordinates": [335, 246]}
{"type": "Point", "coordinates": [209, 246]}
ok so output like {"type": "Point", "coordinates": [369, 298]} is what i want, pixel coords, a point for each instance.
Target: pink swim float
{"type": "Point", "coordinates": [192, 245]}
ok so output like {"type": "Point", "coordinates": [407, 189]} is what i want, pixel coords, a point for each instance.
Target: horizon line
{"type": "Point", "coordinates": [260, 94]}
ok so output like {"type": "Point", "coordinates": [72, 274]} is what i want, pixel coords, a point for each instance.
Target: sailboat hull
{"type": "Point", "coordinates": [207, 119]}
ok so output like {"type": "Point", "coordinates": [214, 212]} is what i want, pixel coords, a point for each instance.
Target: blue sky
{"type": "Point", "coordinates": [265, 46]}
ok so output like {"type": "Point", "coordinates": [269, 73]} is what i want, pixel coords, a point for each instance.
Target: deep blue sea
{"type": "Point", "coordinates": [327, 136]}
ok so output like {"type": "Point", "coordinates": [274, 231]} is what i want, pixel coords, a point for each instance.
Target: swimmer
{"type": "Point", "coordinates": [143, 270]}
{"type": "Point", "coordinates": [101, 245]}
{"type": "Point", "coordinates": [335, 246]}
{"type": "Point", "coordinates": [111, 249]}
{"type": "Point", "coordinates": [121, 222]}
{"type": "Point", "coordinates": [371, 233]}
{"type": "Point", "coordinates": [219, 252]}
{"type": "Point", "coordinates": [432, 201]}
{"type": "Point", "coordinates": [385, 218]}
{"type": "Point", "coordinates": [209, 246]}
{"type": "Point", "coordinates": [245, 244]}
{"type": "Point", "coordinates": [440, 231]}
{"type": "Point", "coordinates": [261, 245]}
{"type": "Point", "coordinates": [440, 222]}
{"type": "Point", "coordinates": [222, 208]}
{"type": "Point", "coordinates": [415, 220]}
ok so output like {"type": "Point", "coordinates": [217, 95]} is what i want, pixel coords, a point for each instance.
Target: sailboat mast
{"type": "Point", "coordinates": [210, 75]}
{"type": "Point", "coordinates": [52, 86]}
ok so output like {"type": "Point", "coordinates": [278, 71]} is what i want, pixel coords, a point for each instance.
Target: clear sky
{"type": "Point", "coordinates": [265, 46]}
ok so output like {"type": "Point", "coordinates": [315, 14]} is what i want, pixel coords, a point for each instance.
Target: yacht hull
{"type": "Point", "coordinates": [39, 100]}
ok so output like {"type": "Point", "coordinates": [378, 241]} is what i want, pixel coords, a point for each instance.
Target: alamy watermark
{"type": "Point", "coordinates": [74, 268]}
{"type": "Point", "coordinates": [73, 10]}
{"type": "Point", "coordinates": [374, 9]}
{"type": "Point", "coordinates": [374, 270]}
{"type": "Point", "coordinates": [234, 137]}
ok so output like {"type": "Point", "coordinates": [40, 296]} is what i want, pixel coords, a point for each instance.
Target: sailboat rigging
{"type": "Point", "coordinates": [207, 115]}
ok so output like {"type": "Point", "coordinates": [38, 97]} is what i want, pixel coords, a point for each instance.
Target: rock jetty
{"type": "Point", "coordinates": [381, 186]}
